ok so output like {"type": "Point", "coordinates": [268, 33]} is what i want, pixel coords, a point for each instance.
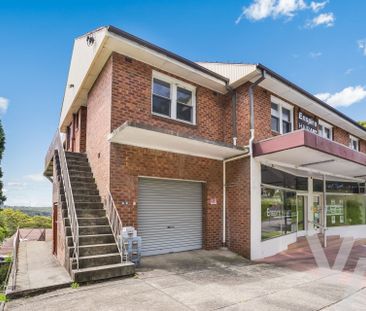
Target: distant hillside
{"type": "Point", "coordinates": [32, 211]}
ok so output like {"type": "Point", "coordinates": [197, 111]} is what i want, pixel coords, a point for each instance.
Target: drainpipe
{"type": "Point", "coordinates": [233, 102]}
{"type": "Point", "coordinates": [251, 109]}
{"type": "Point", "coordinates": [233, 116]}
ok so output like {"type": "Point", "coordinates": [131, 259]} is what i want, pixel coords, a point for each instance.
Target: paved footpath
{"type": "Point", "coordinates": [210, 280]}
{"type": "Point", "coordinates": [38, 268]}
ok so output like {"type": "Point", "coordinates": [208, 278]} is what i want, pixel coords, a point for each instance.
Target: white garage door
{"type": "Point", "coordinates": [169, 216]}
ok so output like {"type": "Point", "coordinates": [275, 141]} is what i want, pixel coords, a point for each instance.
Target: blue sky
{"type": "Point", "coordinates": [319, 45]}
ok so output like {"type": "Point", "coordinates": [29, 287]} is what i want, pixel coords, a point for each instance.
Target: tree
{"type": "Point", "coordinates": [2, 148]}
{"type": "Point", "coordinates": [363, 123]}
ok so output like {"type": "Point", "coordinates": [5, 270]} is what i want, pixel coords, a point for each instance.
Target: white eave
{"type": "Point", "coordinates": [146, 136]}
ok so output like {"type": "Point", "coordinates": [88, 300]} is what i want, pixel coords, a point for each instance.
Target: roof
{"type": "Point", "coordinates": [232, 71]}
{"type": "Point", "coordinates": [88, 60]}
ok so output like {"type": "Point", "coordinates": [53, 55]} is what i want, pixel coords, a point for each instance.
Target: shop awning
{"type": "Point", "coordinates": [306, 151]}
{"type": "Point", "coordinates": [146, 136]}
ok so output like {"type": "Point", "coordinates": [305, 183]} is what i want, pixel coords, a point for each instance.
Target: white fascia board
{"type": "Point", "coordinates": [81, 71]}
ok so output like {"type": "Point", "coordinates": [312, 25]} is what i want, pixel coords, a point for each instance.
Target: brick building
{"type": "Point", "coordinates": [194, 155]}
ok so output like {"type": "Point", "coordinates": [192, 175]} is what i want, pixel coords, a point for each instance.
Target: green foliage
{"type": "Point", "coordinates": [4, 267]}
{"type": "Point", "coordinates": [11, 219]}
{"type": "Point", "coordinates": [363, 123]}
{"type": "Point", "coordinates": [3, 298]}
{"type": "Point", "coordinates": [2, 148]}
{"type": "Point", "coordinates": [75, 285]}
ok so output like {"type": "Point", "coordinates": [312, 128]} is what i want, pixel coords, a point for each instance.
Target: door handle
{"type": "Point", "coordinates": [170, 227]}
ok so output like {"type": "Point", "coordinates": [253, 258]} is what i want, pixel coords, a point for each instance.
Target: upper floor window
{"type": "Point", "coordinates": [173, 98]}
{"type": "Point", "coordinates": [353, 143]}
{"type": "Point", "coordinates": [281, 116]}
{"type": "Point", "coordinates": [325, 130]}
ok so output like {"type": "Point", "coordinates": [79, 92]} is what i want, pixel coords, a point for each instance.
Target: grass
{"type": "Point", "coordinates": [3, 297]}
{"type": "Point", "coordinates": [75, 285]}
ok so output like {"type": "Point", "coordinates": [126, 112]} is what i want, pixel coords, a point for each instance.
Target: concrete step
{"type": "Point", "coordinates": [84, 191]}
{"type": "Point", "coordinates": [80, 179]}
{"type": "Point", "coordinates": [86, 198]}
{"type": "Point", "coordinates": [103, 272]}
{"type": "Point", "coordinates": [96, 249]}
{"type": "Point", "coordinates": [90, 213]}
{"type": "Point", "coordinates": [75, 155]}
{"type": "Point", "coordinates": [84, 186]}
{"type": "Point", "coordinates": [93, 239]}
{"type": "Point", "coordinates": [73, 173]}
{"type": "Point", "coordinates": [90, 230]}
{"type": "Point", "coordinates": [79, 168]}
{"type": "Point", "coordinates": [97, 260]}
{"type": "Point", "coordinates": [88, 205]}
{"type": "Point", "coordinates": [91, 221]}
{"type": "Point", "coordinates": [84, 205]}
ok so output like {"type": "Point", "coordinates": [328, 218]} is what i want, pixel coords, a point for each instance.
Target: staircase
{"type": "Point", "coordinates": [99, 257]}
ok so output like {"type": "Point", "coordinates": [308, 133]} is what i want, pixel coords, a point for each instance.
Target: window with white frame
{"type": "Point", "coordinates": [353, 143]}
{"type": "Point", "coordinates": [281, 116]}
{"type": "Point", "coordinates": [325, 130]}
{"type": "Point", "coordinates": [173, 98]}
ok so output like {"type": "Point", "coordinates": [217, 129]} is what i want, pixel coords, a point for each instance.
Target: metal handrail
{"type": "Point", "coordinates": [115, 224]}
{"type": "Point", "coordinates": [70, 203]}
{"type": "Point", "coordinates": [14, 264]}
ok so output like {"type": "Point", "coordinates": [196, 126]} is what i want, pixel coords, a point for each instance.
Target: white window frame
{"type": "Point", "coordinates": [328, 126]}
{"type": "Point", "coordinates": [282, 104]}
{"type": "Point", "coordinates": [351, 140]}
{"type": "Point", "coordinates": [174, 84]}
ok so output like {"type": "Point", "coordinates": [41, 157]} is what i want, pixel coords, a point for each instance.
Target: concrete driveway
{"type": "Point", "coordinates": [210, 280]}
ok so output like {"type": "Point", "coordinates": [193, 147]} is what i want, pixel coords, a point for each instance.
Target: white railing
{"type": "Point", "coordinates": [116, 225]}
{"type": "Point", "coordinates": [69, 197]}
{"type": "Point", "coordinates": [12, 272]}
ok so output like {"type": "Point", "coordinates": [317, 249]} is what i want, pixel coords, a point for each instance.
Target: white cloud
{"type": "Point", "coordinates": [35, 177]}
{"type": "Point", "coordinates": [315, 54]}
{"type": "Point", "coordinates": [288, 7]}
{"type": "Point", "coordinates": [16, 184]}
{"type": "Point", "coordinates": [348, 96]}
{"type": "Point", "coordinates": [348, 71]}
{"type": "Point", "coordinates": [261, 9]}
{"type": "Point", "coordinates": [4, 103]}
{"type": "Point", "coordinates": [28, 193]}
{"type": "Point", "coordinates": [317, 6]}
{"type": "Point", "coordinates": [362, 45]}
{"type": "Point", "coordinates": [324, 19]}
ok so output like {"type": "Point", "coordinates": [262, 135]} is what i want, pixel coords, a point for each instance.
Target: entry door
{"type": "Point", "coordinates": [302, 205]}
{"type": "Point", "coordinates": [169, 216]}
{"type": "Point", "coordinates": [317, 211]}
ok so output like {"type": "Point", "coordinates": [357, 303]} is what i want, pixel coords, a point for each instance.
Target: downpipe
{"type": "Point", "coordinates": [249, 154]}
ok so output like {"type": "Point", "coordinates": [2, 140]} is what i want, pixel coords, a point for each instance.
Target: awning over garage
{"type": "Point", "coordinates": [308, 152]}
{"type": "Point", "coordinates": [146, 136]}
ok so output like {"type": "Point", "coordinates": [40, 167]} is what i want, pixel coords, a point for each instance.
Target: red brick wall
{"type": "Point", "coordinates": [340, 136]}
{"type": "Point", "coordinates": [77, 138]}
{"type": "Point", "coordinates": [127, 163]}
{"type": "Point", "coordinates": [238, 206]}
{"type": "Point", "coordinates": [98, 127]}
{"type": "Point", "coordinates": [80, 132]}
{"type": "Point", "coordinates": [262, 113]}
{"type": "Point", "coordinates": [131, 100]}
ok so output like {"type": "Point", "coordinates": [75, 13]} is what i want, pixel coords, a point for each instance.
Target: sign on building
{"type": "Point", "coordinates": [307, 122]}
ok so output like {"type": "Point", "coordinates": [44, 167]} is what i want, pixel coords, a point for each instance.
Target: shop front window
{"type": "Point", "coordinates": [279, 213]}
{"type": "Point", "coordinates": [346, 210]}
